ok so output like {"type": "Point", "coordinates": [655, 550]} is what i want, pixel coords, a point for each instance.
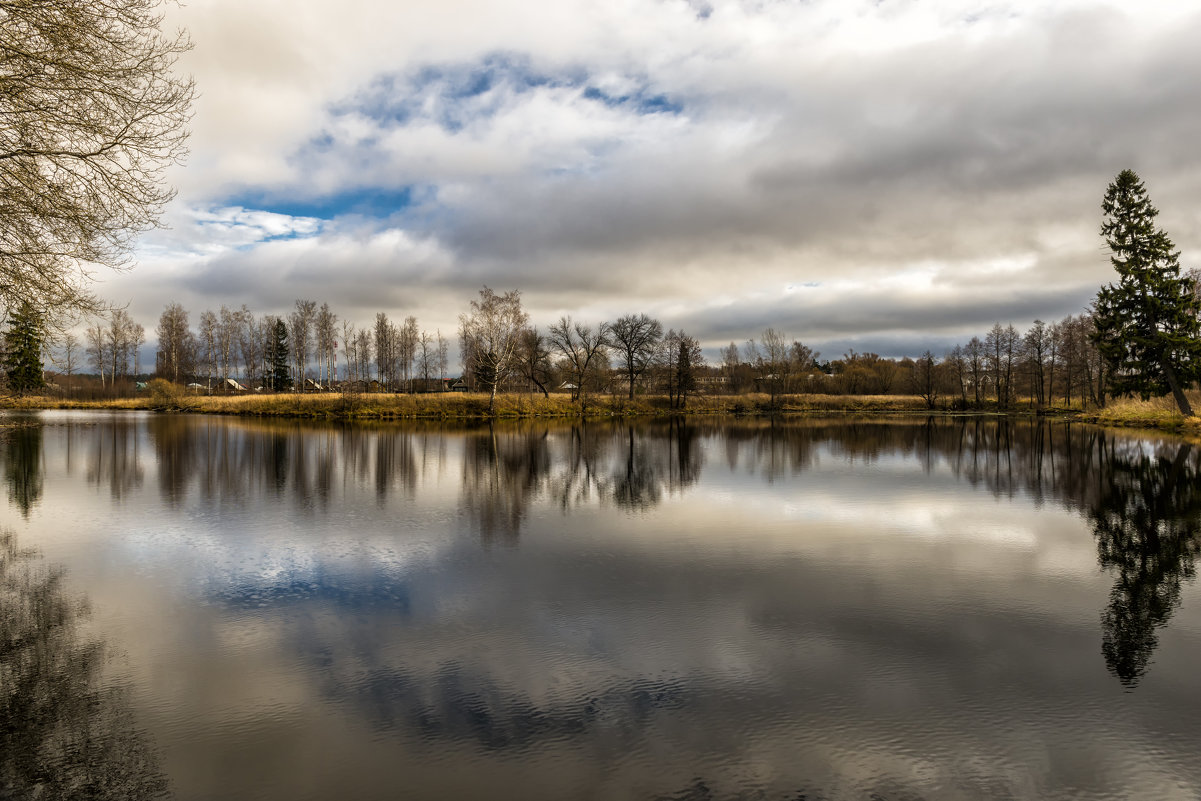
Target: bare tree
{"type": "Point", "coordinates": [973, 354]}
{"type": "Point", "coordinates": [137, 338]}
{"type": "Point", "coordinates": [1037, 344]}
{"type": "Point", "coordinates": [406, 349]}
{"type": "Point", "coordinates": [635, 338]}
{"type": "Point", "coordinates": [681, 357]}
{"type": "Point", "coordinates": [583, 349]}
{"type": "Point", "coordinates": [348, 350]}
{"type": "Point", "coordinates": [731, 362]}
{"type": "Point", "coordinates": [119, 336]}
{"type": "Point", "coordinates": [362, 347]}
{"type": "Point", "coordinates": [994, 357]}
{"type": "Point", "coordinates": [325, 331]}
{"type": "Point", "coordinates": [383, 350]}
{"type": "Point", "coordinates": [300, 330]}
{"type": "Point", "coordinates": [227, 337]}
{"type": "Point", "coordinates": [97, 348]}
{"type": "Point", "coordinates": [533, 359]}
{"type": "Point", "coordinates": [176, 345]}
{"type": "Point", "coordinates": [426, 359]}
{"type": "Point", "coordinates": [774, 364]}
{"type": "Point", "coordinates": [926, 379]}
{"type": "Point", "coordinates": [70, 353]}
{"type": "Point", "coordinates": [802, 360]}
{"type": "Point", "coordinates": [250, 345]}
{"type": "Point", "coordinates": [491, 331]}
{"type": "Point", "coordinates": [207, 329]}
{"type": "Point", "coordinates": [956, 364]}
{"type": "Point", "coordinates": [443, 353]}
{"type": "Point", "coordinates": [92, 117]}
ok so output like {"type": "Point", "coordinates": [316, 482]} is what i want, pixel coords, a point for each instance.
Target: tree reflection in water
{"type": "Point", "coordinates": [1145, 521]}
{"type": "Point", "coordinates": [61, 735]}
{"type": "Point", "coordinates": [23, 466]}
{"type": "Point", "coordinates": [1142, 499]}
{"type": "Point", "coordinates": [506, 469]}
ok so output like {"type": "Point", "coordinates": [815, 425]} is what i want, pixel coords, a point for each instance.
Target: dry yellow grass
{"type": "Point", "coordinates": [450, 406]}
{"type": "Point", "coordinates": [1156, 413]}
{"type": "Point", "coordinates": [1153, 413]}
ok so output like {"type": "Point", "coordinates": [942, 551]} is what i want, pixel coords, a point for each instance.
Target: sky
{"type": "Point", "coordinates": [879, 176]}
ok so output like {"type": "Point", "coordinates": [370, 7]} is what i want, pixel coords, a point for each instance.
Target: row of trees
{"type": "Point", "coordinates": [301, 347]}
{"type": "Point", "coordinates": [497, 345]}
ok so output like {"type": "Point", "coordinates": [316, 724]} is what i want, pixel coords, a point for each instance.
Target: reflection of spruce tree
{"type": "Point", "coordinates": [23, 467]}
{"type": "Point", "coordinates": [61, 737]}
{"type": "Point", "coordinates": [1145, 521]}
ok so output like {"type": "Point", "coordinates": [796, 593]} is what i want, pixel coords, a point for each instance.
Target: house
{"type": "Point", "coordinates": [230, 385]}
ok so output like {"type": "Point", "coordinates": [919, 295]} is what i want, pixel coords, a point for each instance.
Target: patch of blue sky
{"type": "Point", "coordinates": [454, 95]}
{"type": "Point", "coordinates": [640, 101]}
{"type": "Point", "coordinates": [373, 202]}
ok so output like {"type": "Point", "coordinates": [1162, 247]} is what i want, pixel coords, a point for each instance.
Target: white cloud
{"type": "Point", "coordinates": [684, 157]}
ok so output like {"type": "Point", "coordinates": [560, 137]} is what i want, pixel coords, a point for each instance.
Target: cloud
{"type": "Point", "coordinates": [690, 159]}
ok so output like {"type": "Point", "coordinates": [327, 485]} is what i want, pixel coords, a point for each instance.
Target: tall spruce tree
{"type": "Point", "coordinates": [1147, 326]}
{"type": "Point", "coordinates": [279, 374]}
{"type": "Point", "coordinates": [23, 350]}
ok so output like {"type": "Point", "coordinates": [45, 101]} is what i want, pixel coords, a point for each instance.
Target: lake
{"type": "Point", "coordinates": [949, 608]}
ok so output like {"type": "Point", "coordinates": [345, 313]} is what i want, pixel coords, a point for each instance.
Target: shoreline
{"type": "Point", "coordinates": [473, 407]}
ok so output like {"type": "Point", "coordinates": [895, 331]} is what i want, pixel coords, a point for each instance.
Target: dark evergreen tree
{"type": "Point", "coordinates": [279, 373]}
{"type": "Point", "coordinates": [23, 350]}
{"type": "Point", "coordinates": [1147, 327]}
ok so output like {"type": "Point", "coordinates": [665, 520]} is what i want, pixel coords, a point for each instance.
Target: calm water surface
{"type": "Point", "coordinates": [952, 609]}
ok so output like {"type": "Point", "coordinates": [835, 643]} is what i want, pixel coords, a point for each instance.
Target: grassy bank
{"type": "Point", "coordinates": [461, 406]}
{"type": "Point", "coordinates": [1157, 413]}
{"type": "Point", "coordinates": [1154, 413]}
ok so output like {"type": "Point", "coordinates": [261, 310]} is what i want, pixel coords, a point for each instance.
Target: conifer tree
{"type": "Point", "coordinates": [23, 350]}
{"type": "Point", "coordinates": [1147, 327]}
{"type": "Point", "coordinates": [279, 374]}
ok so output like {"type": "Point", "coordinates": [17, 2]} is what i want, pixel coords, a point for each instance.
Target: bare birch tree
{"type": "Point", "coordinates": [175, 343]}
{"type": "Point", "coordinates": [490, 332]}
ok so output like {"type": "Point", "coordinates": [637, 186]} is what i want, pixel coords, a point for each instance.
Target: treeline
{"type": "Point", "coordinates": [1046, 364]}
{"type": "Point", "coordinates": [311, 348]}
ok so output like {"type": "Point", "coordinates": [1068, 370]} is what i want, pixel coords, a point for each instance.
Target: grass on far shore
{"type": "Point", "coordinates": [1155, 413]}
{"type": "Point", "coordinates": [457, 405]}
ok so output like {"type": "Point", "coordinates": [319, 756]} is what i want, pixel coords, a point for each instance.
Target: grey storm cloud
{"type": "Point", "coordinates": [927, 168]}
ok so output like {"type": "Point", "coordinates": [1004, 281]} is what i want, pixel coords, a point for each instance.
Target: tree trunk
{"type": "Point", "coordinates": [1181, 402]}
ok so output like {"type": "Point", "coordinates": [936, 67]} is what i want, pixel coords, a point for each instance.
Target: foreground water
{"type": "Point", "coordinates": [943, 609]}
